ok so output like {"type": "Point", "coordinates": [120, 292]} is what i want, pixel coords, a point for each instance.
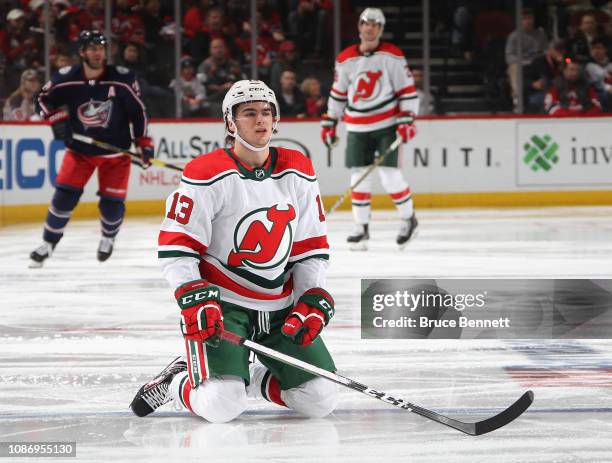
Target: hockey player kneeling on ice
{"type": "Point", "coordinates": [374, 90]}
{"type": "Point", "coordinates": [244, 244]}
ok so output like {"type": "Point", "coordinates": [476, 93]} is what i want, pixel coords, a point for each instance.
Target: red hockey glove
{"type": "Point", "coordinates": [313, 311]}
{"type": "Point", "coordinates": [201, 316]}
{"type": "Point", "coordinates": [328, 131]}
{"type": "Point", "coordinates": [405, 127]}
{"type": "Point", "coordinates": [60, 124]}
{"type": "Point", "coordinates": [146, 149]}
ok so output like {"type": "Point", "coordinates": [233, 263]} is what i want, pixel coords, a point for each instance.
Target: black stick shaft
{"type": "Point", "coordinates": [482, 427]}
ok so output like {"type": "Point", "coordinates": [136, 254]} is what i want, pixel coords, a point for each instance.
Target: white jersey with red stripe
{"type": "Point", "coordinates": [259, 234]}
{"type": "Point", "coordinates": [370, 89]}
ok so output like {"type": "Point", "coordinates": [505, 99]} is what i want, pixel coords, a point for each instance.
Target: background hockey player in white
{"type": "Point", "coordinates": [244, 237]}
{"type": "Point", "coordinates": [374, 90]}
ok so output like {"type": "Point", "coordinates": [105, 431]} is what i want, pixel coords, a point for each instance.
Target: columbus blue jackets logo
{"type": "Point", "coordinates": [263, 238]}
{"type": "Point", "coordinates": [95, 113]}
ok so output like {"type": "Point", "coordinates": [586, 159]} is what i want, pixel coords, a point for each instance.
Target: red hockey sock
{"type": "Point", "coordinates": [270, 389]}
{"type": "Point", "coordinates": [184, 391]}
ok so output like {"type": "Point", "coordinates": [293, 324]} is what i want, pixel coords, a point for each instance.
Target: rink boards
{"type": "Point", "coordinates": [453, 162]}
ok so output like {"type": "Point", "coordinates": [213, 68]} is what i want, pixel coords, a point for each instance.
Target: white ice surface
{"type": "Point", "coordinates": [78, 338]}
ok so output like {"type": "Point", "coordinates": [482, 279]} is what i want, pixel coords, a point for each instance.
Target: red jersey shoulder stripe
{"type": "Point", "coordinates": [386, 47]}
{"type": "Point", "coordinates": [289, 159]}
{"type": "Point", "coordinates": [348, 53]}
{"type": "Point", "coordinates": [208, 166]}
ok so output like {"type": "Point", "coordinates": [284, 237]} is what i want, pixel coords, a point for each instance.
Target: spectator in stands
{"type": "Point", "coordinates": [91, 16]}
{"type": "Point", "coordinates": [315, 102]}
{"type": "Point", "coordinates": [126, 22]}
{"type": "Point", "coordinates": [599, 72]}
{"type": "Point", "coordinates": [286, 58]}
{"type": "Point", "coordinates": [62, 11]}
{"type": "Point", "coordinates": [19, 105]}
{"type": "Point", "coordinates": [290, 100]}
{"type": "Point", "coordinates": [214, 28]}
{"type": "Point", "coordinates": [194, 19]}
{"type": "Point", "coordinates": [219, 70]}
{"type": "Point", "coordinates": [534, 42]}
{"type": "Point", "coordinates": [580, 45]}
{"type": "Point", "coordinates": [131, 58]}
{"type": "Point", "coordinates": [307, 26]}
{"type": "Point", "coordinates": [265, 51]}
{"type": "Point", "coordinates": [153, 22]}
{"type": "Point", "coordinates": [15, 41]}
{"type": "Point", "coordinates": [159, 101]}
{"type": "Point", "coordinates": [541, 73]}
{"type": "Point", "coordinates": [269, 20]}
{"type": "Point", "coordinates": [191, 90]}
{"type": "Point", "coordinates": [571, 94]}
{"type": "Point", "coordinates": [462, 30]}
{"type": "Point", "coordinates": [424, 108]}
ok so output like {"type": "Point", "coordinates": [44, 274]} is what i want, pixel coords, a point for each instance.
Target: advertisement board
{"type": "Point", "coordinates": [449, 158]}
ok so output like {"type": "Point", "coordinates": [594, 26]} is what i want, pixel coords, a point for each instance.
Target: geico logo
{"type": "Point", "coordinates": [28, 163]}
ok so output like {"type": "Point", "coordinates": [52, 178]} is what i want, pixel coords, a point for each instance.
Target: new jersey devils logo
{"type": "Point", "coordinates": [263, 238]}
{"type": "Point", "coordinates": [95, 113]}
{"type": "Point", "coordinates": [367, 85]}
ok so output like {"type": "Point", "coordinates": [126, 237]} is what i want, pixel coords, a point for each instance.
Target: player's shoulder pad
{"type": "Point", "coordinates": [209, 167]}
{"type": "Point", "coordinates": [386, 47]}
{"type": "Point", "coordinates": [67, 74]}
{"type": "Point", "coordinates": [349, 52]}
{"type": "Point", "coordinates": [295, 161]}
{"type": "Point", "coordinates": [119, 74]}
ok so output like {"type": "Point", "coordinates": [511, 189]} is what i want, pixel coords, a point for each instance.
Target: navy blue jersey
{"type": "Point", "coordinates": [101, 109]}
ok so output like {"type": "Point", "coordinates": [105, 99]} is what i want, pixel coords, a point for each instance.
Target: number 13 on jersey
{"type": "Point", "coordinates": [181, 208]}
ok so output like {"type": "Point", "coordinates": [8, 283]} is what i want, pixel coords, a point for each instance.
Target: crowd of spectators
{"type": "Point", "coordinates": [559, 38]}
{"type": "Point", "coordinates": [292, 36]}
{"type": "Point", "coordinates": [293, 52]}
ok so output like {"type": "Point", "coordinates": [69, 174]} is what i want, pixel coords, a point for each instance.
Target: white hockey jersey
{"type": "Point", "coordinates": [370, 89]}
{"type": "Point", "coordinates": [259, 234]}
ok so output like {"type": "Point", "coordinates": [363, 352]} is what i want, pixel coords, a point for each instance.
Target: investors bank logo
{"type": "Point", "coordinates": [541, 153]}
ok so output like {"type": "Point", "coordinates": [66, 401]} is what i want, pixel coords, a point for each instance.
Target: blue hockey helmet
{"type": "Point", "coordinates": [90, 37]}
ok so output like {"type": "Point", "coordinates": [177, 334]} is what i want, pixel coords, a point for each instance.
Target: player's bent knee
{"type": "Point", "coordinates": [315, 398]}
{"type": "Point", "coordinates": [220, 400]}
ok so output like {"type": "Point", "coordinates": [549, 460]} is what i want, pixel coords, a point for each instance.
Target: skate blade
{"type": "Point", "coordinates": [361, 246]}
{"type": "Point", "coordinates": [34, 264]}
{"type": "Point", "coordinates": [412, 238]}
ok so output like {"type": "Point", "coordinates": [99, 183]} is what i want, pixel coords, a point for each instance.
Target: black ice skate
{"type": "Point", "coordinates": [407, 231]}
{"type": "Point", "coordinates": [105, 248]}
{"type": "Point", "coordinates": [41, 253]}
{"type": "Point", "coordinates": [154, 394]}
{"type": "Point", "coordinates": [358, 239]}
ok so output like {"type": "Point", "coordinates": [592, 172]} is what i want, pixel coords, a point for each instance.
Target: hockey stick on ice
{"type": "Point", "coordinates": [107, 146]}
{"type": "Point", "coordinates": [473, 429]}
{"type": "Point", "coordinates": [374, 165]}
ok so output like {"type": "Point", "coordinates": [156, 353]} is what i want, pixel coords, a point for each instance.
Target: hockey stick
{"type": "Point", "coordinates": [107, 146]}
{"type": "Point", "coordinates": [374, 165]}
{"type": "Point", "coordinates": [473, 429]}
{"type": "Point", "coordinates": [329, 155]}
